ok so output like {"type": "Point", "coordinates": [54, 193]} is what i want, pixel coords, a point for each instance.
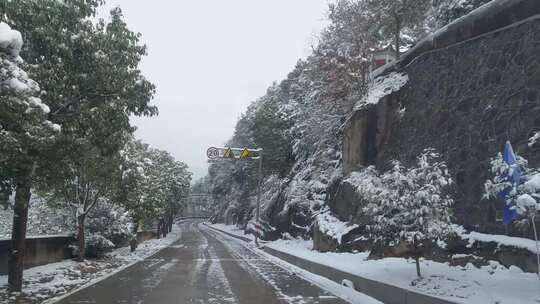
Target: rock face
{"type": "Point", "coordinates": [466, 101]}
{"type": "Point", "coordinates": [323, 242]}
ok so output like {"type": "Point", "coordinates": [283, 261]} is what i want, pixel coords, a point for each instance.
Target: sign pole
{"type": "Point", "coordinates": [537, 247]}
{"type": "Point", "coordinates": [227, 153]}
{"type": "Point", "coordinates": [259, 180]}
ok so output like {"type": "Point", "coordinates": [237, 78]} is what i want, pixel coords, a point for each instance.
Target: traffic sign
{"type": "Point", "coordinates": [245, 154]}
{"type": "Point", "coordinates": [228, 154]}
{"type": "Point", "coordinates": [212, 153]}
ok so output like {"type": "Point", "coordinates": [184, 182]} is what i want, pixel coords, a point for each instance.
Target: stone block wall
{"type": "Point", "coordinates": [465, 100]}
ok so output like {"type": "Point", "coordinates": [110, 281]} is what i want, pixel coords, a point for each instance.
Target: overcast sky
{"type": "Point", "coordinates": [209, 59]}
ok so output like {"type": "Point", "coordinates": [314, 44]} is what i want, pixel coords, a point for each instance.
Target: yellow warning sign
{"type": "Point", "coordinates": [245, 154]}
{"type": "Point", "coordinates": [228, 154]}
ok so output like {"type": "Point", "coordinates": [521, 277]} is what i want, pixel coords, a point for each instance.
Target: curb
{"type": "Point", "coordinates": [242, 238]}
{"type": "Point", "coordinates": [383, 292]}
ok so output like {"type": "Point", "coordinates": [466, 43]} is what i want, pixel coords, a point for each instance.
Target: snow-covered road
{"type": "Point", "coordinates": [205, 266]}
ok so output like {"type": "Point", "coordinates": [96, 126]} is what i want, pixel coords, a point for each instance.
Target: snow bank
{"type": "Point", "coordinates": [533, 184]}
{"type": "Point", "coordinates": [10, 40]}
{"type": "Point", "coordinates": [382, 86]}
{"type": "Point", "coordinates": [510, 241]}
{"type": "Point", "coordinates": [332, 226]}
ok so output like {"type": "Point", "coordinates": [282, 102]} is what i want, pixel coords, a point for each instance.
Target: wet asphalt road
{"type": "Point", "coordinates": [204, 266]}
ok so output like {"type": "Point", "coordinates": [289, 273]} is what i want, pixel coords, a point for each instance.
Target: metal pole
{"type": "Point", "coordinates": [259, 182]}
{"type": "Point", "coordinates": [537, 251]}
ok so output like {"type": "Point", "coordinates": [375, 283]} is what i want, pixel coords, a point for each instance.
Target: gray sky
{"type": "Point", "coordinates": [210, 59]}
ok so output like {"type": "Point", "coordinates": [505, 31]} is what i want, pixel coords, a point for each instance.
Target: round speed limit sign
{"type": "Point", "coordinates": [212, 153]}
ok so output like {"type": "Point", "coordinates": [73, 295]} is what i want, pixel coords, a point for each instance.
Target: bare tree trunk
{"type": "Point", "coordinates": [159, 229]}
{"type": "Point", "coordinates": [417, 256]}
{"type": "Point", "coordinates": [163, 228]}
{"type": "Point", "coordinates": [80, 237]}
{"type": "Point", "coordinates": [18, 235]}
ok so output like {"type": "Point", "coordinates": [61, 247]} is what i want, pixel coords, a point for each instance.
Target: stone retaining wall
{"type": "Point", "coordinates": [465, 100]}
{"type": "Point", "coordinates": [39, 251]}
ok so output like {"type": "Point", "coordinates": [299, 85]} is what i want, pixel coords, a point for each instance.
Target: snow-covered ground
{"type": "Point", "coordinates": [54, 280]}
{"type": "Point", "coordinates": [489, 284]}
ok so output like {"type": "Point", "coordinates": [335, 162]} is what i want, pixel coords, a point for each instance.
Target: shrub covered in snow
{"type": "Point", "coordinates": [97, 245]}
{"type": "Point", "coordinates": [110, 222]}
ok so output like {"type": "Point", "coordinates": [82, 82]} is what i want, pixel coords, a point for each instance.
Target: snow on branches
{"type": "Point", "coordinates": [535, 139]}
{"type": "Point", "coordinates": [406, 203]}
{"type": "Point", "coordinates": [523, 197]}
{"type": "Point", "coordinates": [24, 127]}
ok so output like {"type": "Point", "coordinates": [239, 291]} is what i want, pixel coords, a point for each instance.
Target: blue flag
{"type": "Point", "coordinates": [514, 176]}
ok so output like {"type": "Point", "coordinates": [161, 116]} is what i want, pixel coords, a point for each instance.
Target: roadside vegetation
{"type": "Point", "coordinates": [68, 86]}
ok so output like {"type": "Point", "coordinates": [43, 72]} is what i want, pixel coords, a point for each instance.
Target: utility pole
{"type": "Point", "coordinates": [259, 190]}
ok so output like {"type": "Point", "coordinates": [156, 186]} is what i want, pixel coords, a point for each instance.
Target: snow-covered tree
{"type": "Point", "coordinates": [25, 132]}
{"type": "Point", "coordinates": [90, 74]}
{"type": "Point", "coordinates": [410, 204]}
{"type": "Point", "coordinates": [523, 197]}
{"type": "Point", "coordinates": [396, 16]}
{"type": "Point", "coordinates": [154, 186]}
{"type": "Point", "coordinates": [343, 52]}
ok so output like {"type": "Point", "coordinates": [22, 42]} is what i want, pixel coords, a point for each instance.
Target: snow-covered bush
{"type": "Point", "coordinates": [111, 222]}
{"type": "Point", "coordinates": [409, 204]}
{"type": "Point", "coordinates": [97, 245]}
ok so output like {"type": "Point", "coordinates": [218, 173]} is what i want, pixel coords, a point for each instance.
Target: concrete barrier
{"type": "Point", "coordinates": [39, 251]}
